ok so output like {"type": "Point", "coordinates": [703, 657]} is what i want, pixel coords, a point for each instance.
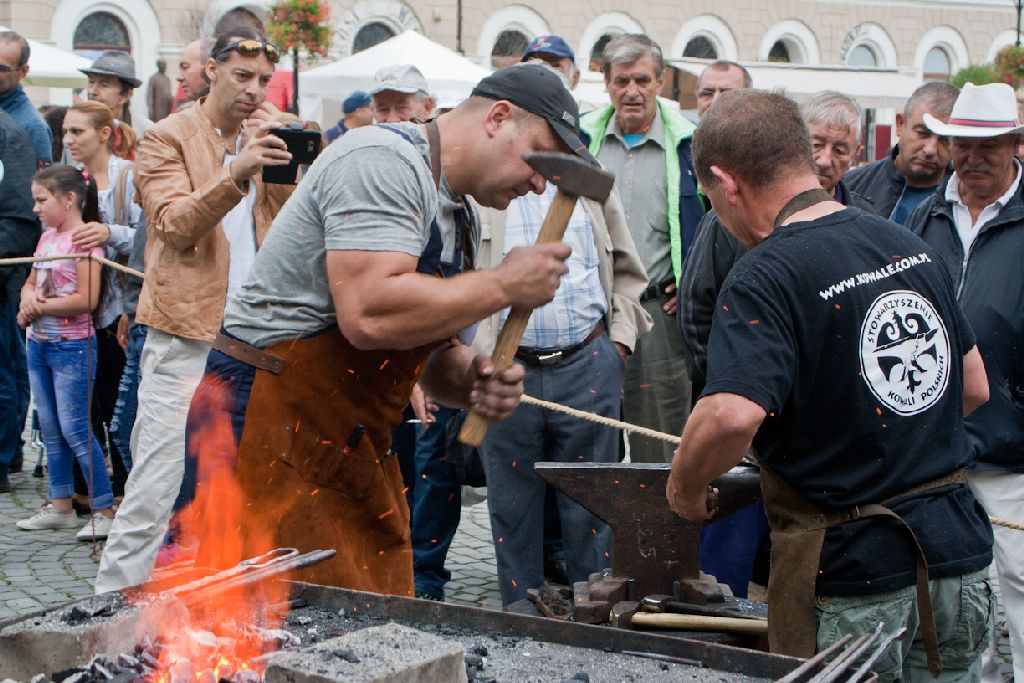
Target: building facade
{"type": "Point", "coordinates": [930, 39]}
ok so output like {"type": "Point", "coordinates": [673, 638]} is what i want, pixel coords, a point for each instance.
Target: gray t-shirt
{"type": "Point", "coordinates": [369, 191]}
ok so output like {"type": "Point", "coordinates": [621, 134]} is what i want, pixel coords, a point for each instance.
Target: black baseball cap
{"type": "Point", "coordinates": [538, 90]}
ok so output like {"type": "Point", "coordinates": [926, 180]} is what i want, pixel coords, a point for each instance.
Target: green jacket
{"type": "Point", "coordinates": [678, 132]}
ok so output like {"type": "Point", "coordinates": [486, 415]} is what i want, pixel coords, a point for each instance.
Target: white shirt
{"type": "Point", "coordinates": [241, 233]}
{"type": "Point", "coordinates": [967, 229]}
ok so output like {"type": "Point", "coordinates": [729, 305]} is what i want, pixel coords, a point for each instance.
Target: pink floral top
{"type": "Point", "coordinates": [58, 279]}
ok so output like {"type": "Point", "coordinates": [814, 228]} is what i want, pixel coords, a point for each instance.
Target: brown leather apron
{"type": "Point", "coordinates": [315, 461]}
{"type": "Point", "coordinates": [307, 485]}
{"type": "Point", "coordinates": [798, 535]}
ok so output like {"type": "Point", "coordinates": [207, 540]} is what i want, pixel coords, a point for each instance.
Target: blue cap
{"type": "Point", "coordinates": [549, 45]}
{"type": "Point", "coordinates": [357, 100]}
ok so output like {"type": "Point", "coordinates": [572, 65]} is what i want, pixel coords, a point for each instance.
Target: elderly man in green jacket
{"type": "Point", "coordinates": [647, 146]}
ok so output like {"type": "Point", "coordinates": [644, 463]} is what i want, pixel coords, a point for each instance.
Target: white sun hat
{"type": "Point", "coordinates": [981, 111]}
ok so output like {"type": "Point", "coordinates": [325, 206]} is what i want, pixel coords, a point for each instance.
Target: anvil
{"type": "Point", "coordinates": [651, 543]}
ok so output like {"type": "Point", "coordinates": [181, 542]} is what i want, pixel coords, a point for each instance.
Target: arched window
{"type": "Point", "coordinates": [779, 52]}
{"type": "Point", "coordinates": [700, 47]}
{"type": "Point", "coordinates": [508, 48]}
{"type": "Point", "coordinates": [597, 52]}
{"type": "Point", "coordinates": [371, 34]}
{"type": "Point", "coordinates": [862, 55]}
{"type": "Point", "coordinates": [937, 65]}
{"type": "Point", "coordinates": [239, 16]}
{"type": "Point", "coordinates": [98, 32]}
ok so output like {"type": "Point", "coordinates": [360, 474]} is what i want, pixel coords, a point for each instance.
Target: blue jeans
{"type": "Point", "coordinates": [728, 547]}
{"type": "Point", "coordinates": [236, 378]}
{"type": "Point", "coordinates": [435, 504]}
{"type": "Point", "coordinates": [9, 391]}
{"type": "Point", "coordinates": [13, 370]}
{"type": "Point", "coordinates": [128, 395]}
{"type": "Point", "coordinates": [589, 380]}
{"type": "Point", "coordinates": [61, 373]}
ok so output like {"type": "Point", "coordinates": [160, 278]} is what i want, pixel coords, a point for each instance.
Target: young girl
{"type": "Point", "coordinates": [56, 304]}
{"type": "Point", "coordinates": [102, 146]}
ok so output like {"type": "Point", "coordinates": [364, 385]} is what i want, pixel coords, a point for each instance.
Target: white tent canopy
{"type": "Point", "coordinates": [51, 67]}
{"type": "Point", "coordinates": [872, 88]}
{"type": "Point", "coordinates": [450, 75]}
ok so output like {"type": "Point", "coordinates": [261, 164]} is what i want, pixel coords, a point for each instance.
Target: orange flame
{"type": "Point", "coordinates": [212, 523]}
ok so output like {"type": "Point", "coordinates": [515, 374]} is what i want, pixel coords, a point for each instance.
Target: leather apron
{"type": "Point", "coordinates": [315, 463]}
{"type": "Point", "coordinates": [306, 485]}
{"type": "Point", "coordinates": [798, 535]}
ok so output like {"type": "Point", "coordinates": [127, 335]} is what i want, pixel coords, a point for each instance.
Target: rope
{"type": "Point", "coordinates": [21, 260]}
{"type": "Point", "coordinates": [662, 436]}
{"type": "Point", "coordinates": [527, 399]}
{"type": "Point", "coordinates": [600, 419]}
{"type": "Point", "coordinates": [1009, 524]}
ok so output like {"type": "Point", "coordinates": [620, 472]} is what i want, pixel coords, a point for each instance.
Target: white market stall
{"type": "Point", "coordinates": [881, 92]}
{"type": "Point", "coordinates": [872, 88]}
{"type": "Point", "coordinates": [450, 75]}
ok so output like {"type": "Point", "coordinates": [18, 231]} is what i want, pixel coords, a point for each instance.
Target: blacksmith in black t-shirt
{"type": "Point", "coordinates": [838, 350]}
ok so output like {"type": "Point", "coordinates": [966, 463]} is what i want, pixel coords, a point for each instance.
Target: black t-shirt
{"type": "Point", "coordinates": [847, 332]}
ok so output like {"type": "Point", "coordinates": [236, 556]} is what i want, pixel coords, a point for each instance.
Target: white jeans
{"type": "Point", "coordinates": [1002, 495]}
{"type": "Point", "coordinates": [171, 368]}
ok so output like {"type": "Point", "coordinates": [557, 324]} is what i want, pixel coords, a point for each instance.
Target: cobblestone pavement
{"type": "Point", "coordinates": [38, 568]}
{"type": "Point", "coordinates": [44, 568]}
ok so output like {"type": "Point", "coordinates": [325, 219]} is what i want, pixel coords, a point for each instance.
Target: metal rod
{"type": "Point", "coordinates": [865, 668]}
{"type": "Point", "coordinates": [816, 660]}
{"type": "Point", "coordinates": [458, 28]}
{"type": "Point", "coordinates": [844, 661]}
{"type": "Point", "coordinates": [820, 677]}
{"type": "Point", "coordinates": [272, 557]}
{"type": "Point", "coordinates": [262, 573]}
{"type": "Point", "coordinates": [665, 658]}
{"type": "Point", "coordinates": [1020, 8]}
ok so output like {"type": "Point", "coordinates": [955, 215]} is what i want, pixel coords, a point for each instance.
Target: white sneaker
{"type": "Point", "coordinates": [96, 529]}
{"type": "Point", "coordinates": [48, 517]}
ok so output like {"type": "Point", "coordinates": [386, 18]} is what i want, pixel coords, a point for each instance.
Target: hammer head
{"type": "Point", "coordinates": [656, 603]}
{"type": "Point", "coordinates": [623, 612]}
{"type": "Point", "coordinates": [572, 175]}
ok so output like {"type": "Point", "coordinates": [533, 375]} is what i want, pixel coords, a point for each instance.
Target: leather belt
{"type": "Point", "coordinates": [247, 353]}
{"type": "Point", "coordinates": [656, 291]}
{"type": "Point", "coordinates": [538, 358]}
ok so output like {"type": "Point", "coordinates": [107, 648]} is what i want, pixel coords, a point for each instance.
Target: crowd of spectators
{"type": "Point", "coordinates": [112, 362]}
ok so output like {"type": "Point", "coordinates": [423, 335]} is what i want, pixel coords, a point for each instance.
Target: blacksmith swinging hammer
{"type": "Point", "coordinates": [574, 178]}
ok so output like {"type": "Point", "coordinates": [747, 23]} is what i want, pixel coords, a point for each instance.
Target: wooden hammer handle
{"type": "Point", "coordinates": [695, 622]}
{"type": "Point", "coordinates": [555, 222]}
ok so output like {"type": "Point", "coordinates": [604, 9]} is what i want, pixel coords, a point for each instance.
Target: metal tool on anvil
{"type": "Point", "coordinates": [574, 178]}
{"type": "Point", "coordinates": [651, 544]}
{"type": "Point", "coordinates": [665, 603]}
{"type": "Point", "coordinates": [627, 614]}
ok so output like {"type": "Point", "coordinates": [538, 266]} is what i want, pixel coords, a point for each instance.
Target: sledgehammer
{"type": "Point", "coordinates": [574, 178]}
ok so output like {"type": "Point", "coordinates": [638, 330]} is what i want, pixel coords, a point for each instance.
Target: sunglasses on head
{"type": "Point", "coordinates": [250, 48]}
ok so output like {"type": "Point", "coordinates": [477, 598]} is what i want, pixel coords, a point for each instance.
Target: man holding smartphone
{"type": "Point", "coordinates": [198, 172]}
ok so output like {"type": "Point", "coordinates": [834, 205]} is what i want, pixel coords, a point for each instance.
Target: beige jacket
{"type": "Point", "coordinates": [186, 191]}
{"type": "Point", "coordinates": [622, 274]}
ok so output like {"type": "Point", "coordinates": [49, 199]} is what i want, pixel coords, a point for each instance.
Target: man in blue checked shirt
{"type": "Point", "coordinates": [574, 352]}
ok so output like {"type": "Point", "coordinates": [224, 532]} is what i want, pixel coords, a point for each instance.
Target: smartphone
{"type": "Point", "coordinates": [304, 146]}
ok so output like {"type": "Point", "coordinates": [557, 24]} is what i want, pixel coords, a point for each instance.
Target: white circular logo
{"type": "Point", "coordinates": [904, 352]}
